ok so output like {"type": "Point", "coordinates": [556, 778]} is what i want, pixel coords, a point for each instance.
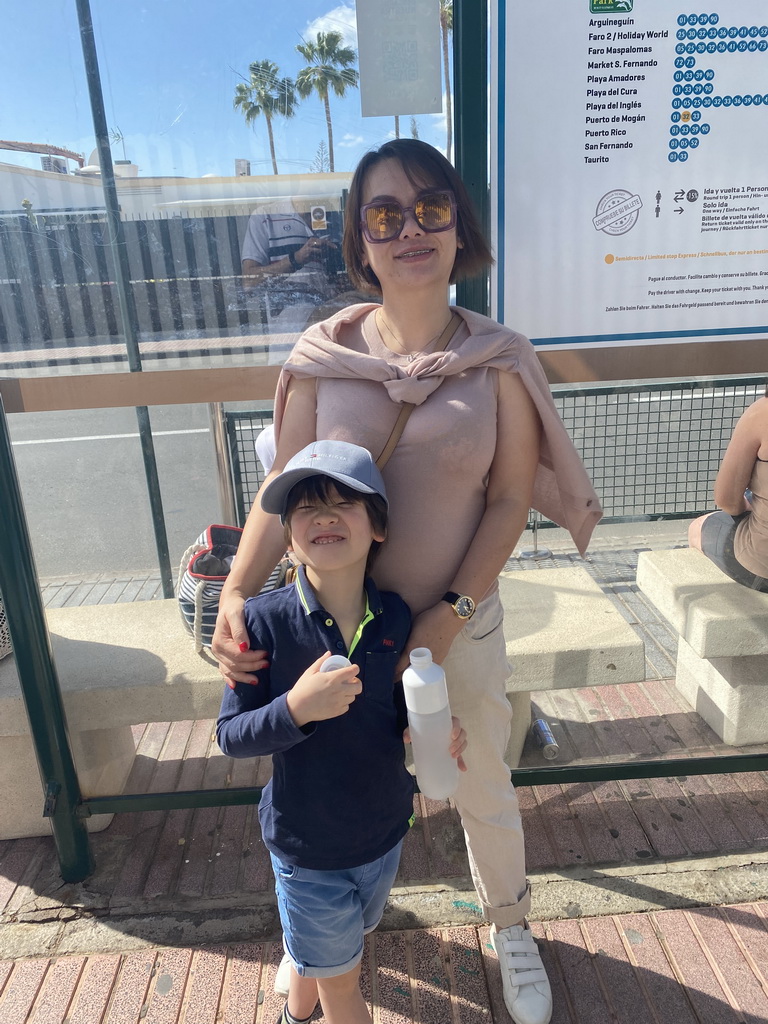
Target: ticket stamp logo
{"type": "Point", "coordinates": [610, 6]}
{"type": "Point", "coordinates": [617, 212]}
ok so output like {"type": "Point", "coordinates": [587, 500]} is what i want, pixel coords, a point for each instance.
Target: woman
{"type": "Point", "coordinates": [483, 444]}
{"type": "Point", "coordinates": [736, 538]}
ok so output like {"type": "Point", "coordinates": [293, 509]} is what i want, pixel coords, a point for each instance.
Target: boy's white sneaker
{"type": "Point", "coordinates": [283, 976]}
{"type": "Point", "coordinates": [527, 994]}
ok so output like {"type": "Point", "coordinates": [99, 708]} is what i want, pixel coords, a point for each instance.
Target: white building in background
{"type": "Point", "coordinates": [148, 198]}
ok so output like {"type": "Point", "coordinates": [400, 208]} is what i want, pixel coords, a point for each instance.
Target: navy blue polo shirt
{"type": "Point", "coordinates": [340, 794]}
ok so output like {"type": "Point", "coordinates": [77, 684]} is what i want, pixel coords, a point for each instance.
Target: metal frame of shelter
{"type": "Point", "coordinates": [64, 803]}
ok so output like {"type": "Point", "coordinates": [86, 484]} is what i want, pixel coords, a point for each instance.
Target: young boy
{"type": "Point", "coordinates": [340, 800]}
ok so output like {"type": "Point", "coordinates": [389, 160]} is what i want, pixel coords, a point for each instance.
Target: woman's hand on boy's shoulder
{"type": "Point", "coordinates": [230, 647]}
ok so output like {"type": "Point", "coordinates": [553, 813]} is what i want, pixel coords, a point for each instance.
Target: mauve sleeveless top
{"type": "Point", "coordinates": [437, 475]}
{"type": "Point", "coordinates": [750, 542]}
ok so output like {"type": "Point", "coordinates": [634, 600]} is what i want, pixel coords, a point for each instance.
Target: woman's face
{"type": "Point", "coordinates": [416, 259]}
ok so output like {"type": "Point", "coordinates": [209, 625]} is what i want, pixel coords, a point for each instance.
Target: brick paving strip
{"type": "Point", "coordinates": [705, 965]}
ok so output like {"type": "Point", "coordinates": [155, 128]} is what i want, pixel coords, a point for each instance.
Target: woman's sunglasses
{"type": "Point", "coordinates": [433, 211]}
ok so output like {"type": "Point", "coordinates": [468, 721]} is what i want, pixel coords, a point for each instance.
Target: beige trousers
{"type": "Point", "coordinates": [476, 670]}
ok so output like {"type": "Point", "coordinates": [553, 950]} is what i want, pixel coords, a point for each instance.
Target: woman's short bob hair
{"type": "Point", "coordinates": [424, 166]}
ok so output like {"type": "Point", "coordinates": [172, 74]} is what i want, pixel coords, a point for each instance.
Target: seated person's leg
{"type": "Point", "coordinates": [694, 531]}
{"type": "Point", "coordinates": [713, 536]}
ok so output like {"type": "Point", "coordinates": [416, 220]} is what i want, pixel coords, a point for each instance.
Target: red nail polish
{"type": "Point", "coordinates": [230, 684]}
{"type": "Point", "coordinates": [243, 646]}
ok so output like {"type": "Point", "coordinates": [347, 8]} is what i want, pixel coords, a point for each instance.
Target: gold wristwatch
{"type": "Point", "coordinates": [463, 605]}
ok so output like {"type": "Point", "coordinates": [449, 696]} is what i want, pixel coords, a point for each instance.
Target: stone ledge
{"type": "Point", "coordinates": [717, 617]}
{"type": "Point", "coordinates": [118, 665]}
{"type": "Point", "coordinates": [563, 632]}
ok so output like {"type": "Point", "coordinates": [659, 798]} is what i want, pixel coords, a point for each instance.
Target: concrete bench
{"type": "Point", "coordinates": [124, 664]}
{"type": "Point", "coordinates": [722, 659]}
{"type": "Point", "coordinates": [119, 665]}
{"type": "Point", "coordinates": [562, 632]}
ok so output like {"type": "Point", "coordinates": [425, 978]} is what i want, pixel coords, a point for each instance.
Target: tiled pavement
{"type": "Point", "coordinates": [178, 924]}
{"type": "Point", "coordinates": [705, 965]}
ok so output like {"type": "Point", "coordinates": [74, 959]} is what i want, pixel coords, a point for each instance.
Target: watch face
{"type": "Point", "coordinates": [465, 606]}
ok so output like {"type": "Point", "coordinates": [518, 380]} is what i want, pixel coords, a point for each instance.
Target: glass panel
{"type": "Point", "coordinates": [232, 150]}
{"type": "Point", "coordinates": [230, 169]}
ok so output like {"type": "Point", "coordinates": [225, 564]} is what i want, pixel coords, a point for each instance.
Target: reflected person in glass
{"type": "Point", "coordinates": [283, 259]}
{"type": "Point", "coordinates": [483, 444]}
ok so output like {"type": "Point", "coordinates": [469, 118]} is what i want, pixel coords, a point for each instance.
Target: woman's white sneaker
{"type": "Point", "coordinates": [527, 993]}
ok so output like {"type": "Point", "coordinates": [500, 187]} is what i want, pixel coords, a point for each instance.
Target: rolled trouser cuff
{"type": "Point", "coordinates": [513, 913]}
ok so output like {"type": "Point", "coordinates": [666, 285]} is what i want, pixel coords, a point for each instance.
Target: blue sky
{"type": "Point", "coordinates": [169, 70]}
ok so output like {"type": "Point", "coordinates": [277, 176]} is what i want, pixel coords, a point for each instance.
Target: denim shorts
{"type": "Point", "coordinates": [717, 534]}
{"type": "Point", "coordinates": [325, 914]}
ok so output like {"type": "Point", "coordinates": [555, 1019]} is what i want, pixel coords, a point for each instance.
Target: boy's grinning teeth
{"type": "Point", "coordinates": [327, 540]}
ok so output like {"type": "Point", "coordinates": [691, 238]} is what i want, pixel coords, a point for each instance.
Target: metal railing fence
{"type": "Point", "coordinates": [242, 429]}
{"type": "Point", "coordinates": [652, 450]}
{"type": "Point", "coordinates": [57, 279]}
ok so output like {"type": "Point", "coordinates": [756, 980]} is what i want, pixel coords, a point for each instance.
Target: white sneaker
{"type": "Point", "coordinates": [527, 994]}
{"type": "Point", "coordinates": [283, 976]}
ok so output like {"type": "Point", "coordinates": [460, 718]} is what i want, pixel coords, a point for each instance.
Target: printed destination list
{"type": "Point", "coordinates": [632, 180]}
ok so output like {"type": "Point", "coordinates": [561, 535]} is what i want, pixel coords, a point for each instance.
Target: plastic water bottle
{"type": "Point", "coordinates": [429, 722]}
{"type": "Point", "coordinates": [545, 739]}
{"type": "Point", "coordinates": [335, 661]}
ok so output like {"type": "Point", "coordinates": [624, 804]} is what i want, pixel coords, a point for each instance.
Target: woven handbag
{"type": "Point", "coordinates": [203, 572]}
{"type": "Point", "coordinates": [5, 633]}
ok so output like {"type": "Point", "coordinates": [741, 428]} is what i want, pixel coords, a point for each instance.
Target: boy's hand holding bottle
{"type": "Point", "coordinates": [321, 694]}
{"type": "Point", "coordinates": [457, 745]}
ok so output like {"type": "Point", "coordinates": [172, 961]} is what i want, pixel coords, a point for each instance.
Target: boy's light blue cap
{"type": "Point", "coordinates": [348, 463]}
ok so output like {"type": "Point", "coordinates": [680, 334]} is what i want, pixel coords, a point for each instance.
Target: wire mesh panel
{"type": "Point", "coordinates": [653, 451]}
{"type": "Point", "coordinates": [247, 471]}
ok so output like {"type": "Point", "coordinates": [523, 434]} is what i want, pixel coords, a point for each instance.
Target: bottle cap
{"type": "Point", "coordinates": [335, 661]}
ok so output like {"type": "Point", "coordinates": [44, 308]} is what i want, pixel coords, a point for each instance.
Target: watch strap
{"type": "Point", "coordinates": [293, 261]}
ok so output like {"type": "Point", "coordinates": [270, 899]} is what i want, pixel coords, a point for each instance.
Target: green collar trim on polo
{"type": "Point", "coordinates": [310, 604]}
{"type": "Point", "coordinates": [367, 617]}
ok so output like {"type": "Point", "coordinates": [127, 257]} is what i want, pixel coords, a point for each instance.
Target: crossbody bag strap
{"type": "Point", "coordinates": [407, 407]}
{"type": "Point", "coordinates": [405, 411]}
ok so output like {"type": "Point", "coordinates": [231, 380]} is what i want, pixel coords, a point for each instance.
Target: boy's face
{"type": "Point", "coordinates": [331, 535]}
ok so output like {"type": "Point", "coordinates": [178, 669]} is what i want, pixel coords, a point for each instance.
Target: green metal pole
{"type": "Point", "coordinates": [37, 674]}
{"type": "Point", "coordinates": [470, 108]}
{"type": "Point", "coordinates": [123, 282]}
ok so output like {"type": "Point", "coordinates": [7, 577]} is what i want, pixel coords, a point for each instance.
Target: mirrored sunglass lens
{"type": "Point", "coordinates": [433, 211]}
{"type": "Point", "coordinates": [384, 220]}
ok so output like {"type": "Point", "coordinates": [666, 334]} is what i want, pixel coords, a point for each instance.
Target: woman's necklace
{"type": "Point", "coordinates": [380, 319]}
